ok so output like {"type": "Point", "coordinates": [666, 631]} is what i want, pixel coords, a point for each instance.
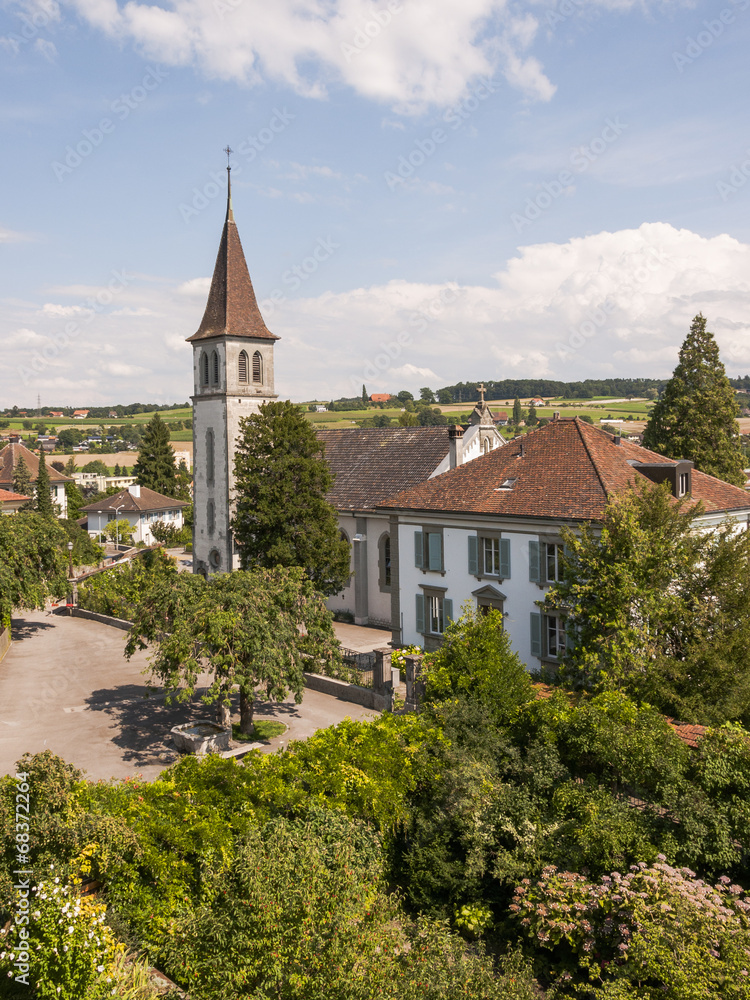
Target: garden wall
{"type": "Point", "coordinates": [4, 642]}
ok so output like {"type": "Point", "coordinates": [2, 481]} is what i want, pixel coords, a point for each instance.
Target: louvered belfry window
{"type": "Point", "coordinates": [215, 368]}
{"type": "Point", "coordinates": [257, 367]}
{"type": "Point", "coordinates": [204, 369]}
{"type": "Point", "coordinates": [242, 367]}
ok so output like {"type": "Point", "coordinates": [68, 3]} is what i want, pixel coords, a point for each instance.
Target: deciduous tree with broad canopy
{"type": "Point", "coordinates": [658, 607]}
{"type": "Point", "coordinates": [282, 517]}
{"type": "Point", "coordinates": [33, 562]}
{"type": "Point", "coordinates": [696, 417]}
{"type": "Point", "coordinates": [259, 630]}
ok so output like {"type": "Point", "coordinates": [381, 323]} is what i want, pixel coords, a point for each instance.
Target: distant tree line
{"type": "Point", "coordinates": [466, 392]}
{"type": "Point", "coordinates": [97, 412]}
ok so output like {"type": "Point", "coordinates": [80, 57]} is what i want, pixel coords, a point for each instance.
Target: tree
{"type": "Point", "coordinates": [517, 411]}
{"type": "Point", "coordinates": [532, 418]}
{"type": "Point", "coordinates": [70, 467]}
{"type": "Point", "coordinates": [476, 661]}
{"type": "Point", "coordinates": [696, 415]}
{"type": "Point", "coordinates": [282, 516]}
{"type": "Point", "coordinates": [155, 468]}
{"type": "Point", "coordinates": [22, 478]}
{"type": "Point", "coordinates": [430, 416]}
{"type": "Point", "coordinates": [259, 630]}
{"type": "Point", "coordinates": [408, 419]}
{"type": "Point", "coordinates": [43, 497]}
{"type": "Point", "coordinates": [97, 466]}
{"type": "Point", "coordinates": [118, 470]}
{"type": "Point", "coordinates": [657, 606]}
{"type": "Point", "coordinates": [120, 530]}
{"type": "Point", "coordinates": [32, 564]}
{"type": "Point", "coordinates": [404, 395]}
{"type": "Point", "coordinates": [445, 396]}
{"type": "Point", "coordinates": [365, 398]}
{"type": "Point", "coordinates": [427, 395]}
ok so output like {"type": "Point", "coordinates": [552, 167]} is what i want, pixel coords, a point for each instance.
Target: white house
{"type": "Point", "coordinates": [139, 506]}
{"type": "Point", "coordinates": [489, 532]}
{"type": "Point", "coordinates": [12, 454]}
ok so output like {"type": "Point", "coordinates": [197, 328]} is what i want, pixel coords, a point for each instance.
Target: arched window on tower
{"type": "Point", "coordinates": [204, 368]}
{"type": "Point", "coordinates": [257, 367]}
{"type": "Point", "coordinates": [209, 456]}
{"type": "Point", "coordinates": [214, 368]}
{"type": "Point", "coordinates": [242, 367]}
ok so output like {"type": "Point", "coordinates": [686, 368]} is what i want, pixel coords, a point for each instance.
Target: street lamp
{"type": "Point", "coordinates": [70, 560]}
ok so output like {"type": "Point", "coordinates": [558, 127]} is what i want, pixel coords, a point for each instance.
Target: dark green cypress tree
{"type": "Point", "coordinates": [282, 516]}
{"type": "Point", "coordinates": [696, 417]}
{"type": "Point", "coordinates": [22, 478]}
{"type": "Point", "coordinates": [155, 467]}
{"type": "Point", "coordinates": [517, 412]}
{"type": "Point", "coordinates": [43, 501]}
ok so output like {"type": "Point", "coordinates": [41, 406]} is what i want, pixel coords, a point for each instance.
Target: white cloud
{"type": "Point", "coordinates": [11, 236]}
{"type": "Point", "coordinates": [54, 309]}
{"type": "Point", "coordinates": [611, 303]}
{"type": "Point", "coordinates": [196, 287]}
{"type": "Point", "coordinates": [130, 311]}
{"type": "Point", "coordinates": [403, 53]}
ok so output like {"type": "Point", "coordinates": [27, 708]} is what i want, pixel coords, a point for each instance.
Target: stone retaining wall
{"type": "Point", "coordinates": [350, 692]}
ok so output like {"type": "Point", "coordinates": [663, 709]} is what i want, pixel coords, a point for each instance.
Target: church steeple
{"type": "Point", "coordinates": [232, 309]}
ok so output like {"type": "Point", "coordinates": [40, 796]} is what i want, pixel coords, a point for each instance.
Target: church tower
{"type": "Point", "coordinates": [232, 376]}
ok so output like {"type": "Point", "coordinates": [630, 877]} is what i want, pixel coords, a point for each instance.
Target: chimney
{"type": "Point", "coordinates": [618, 437]}
{"type": "Point", "coordinates": [134, 490]}
{"type": "Point", "coordinates": [556, 415]}
{"type": "Point", "coordinates": [456, 445]}
{"type": "Point", "coordinates": [521, 451]}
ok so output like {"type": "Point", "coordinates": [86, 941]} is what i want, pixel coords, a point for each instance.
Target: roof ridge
{"type": "Point", "coordinates": [578, 424]}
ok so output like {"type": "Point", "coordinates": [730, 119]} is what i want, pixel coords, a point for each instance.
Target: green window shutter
{"type": "Point", "coordinates": [447, 610]}
{"type": "Point", "coordinates": [420, 613]}
{"type": "Point", "coordinates": [419, 549]}
{"type": "Point", "coordinates": [473, 555]}
{"type": "Point", "coordinates": [505, 558]}
{"type": "Point", "coordinates": [435, 549]}
{"type": "Point", "coordinates": [535, 568]}
{"type": "Point", "coordinates": [536, 634]}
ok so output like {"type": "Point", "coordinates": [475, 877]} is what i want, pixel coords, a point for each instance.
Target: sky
{"type": "Point", "coordinates": [427, 191]}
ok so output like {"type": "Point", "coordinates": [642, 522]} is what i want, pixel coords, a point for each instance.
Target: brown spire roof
{"type": "Point", "coordinates": [232, 309]}
{"type": "Point", "coordinates": [10, 457]}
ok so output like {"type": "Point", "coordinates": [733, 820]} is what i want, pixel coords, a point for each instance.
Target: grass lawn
{"type": "Point", "coordinates": [263, 729]}
{"type": "Point", "coordinates": [349, 418]}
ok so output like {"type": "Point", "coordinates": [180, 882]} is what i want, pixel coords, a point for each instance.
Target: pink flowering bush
{"type": "Point", "coordinates": [657, 930]}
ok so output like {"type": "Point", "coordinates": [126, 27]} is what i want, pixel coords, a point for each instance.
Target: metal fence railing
{"type": "Point", "coordinates": [361, 665]}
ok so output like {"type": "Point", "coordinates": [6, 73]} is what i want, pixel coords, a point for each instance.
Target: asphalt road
{"type": "Point", "coordinates": [66, 686]}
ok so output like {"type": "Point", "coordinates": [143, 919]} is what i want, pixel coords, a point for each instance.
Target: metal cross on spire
{"type": "Point", "coordinates": [230, 214]}
{"type": "Point", "coordinates": [481, 390]}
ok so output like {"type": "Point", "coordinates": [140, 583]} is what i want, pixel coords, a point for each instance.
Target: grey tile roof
{"type": "Point", "coordinates": [373, 463]}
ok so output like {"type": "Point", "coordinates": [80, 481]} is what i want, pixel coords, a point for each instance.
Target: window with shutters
{"type": "Point", "coordinates": [489, 555]}
{"type": "Point", "coordinates": [548, 638]}
{"type": "Point", "coordinates": [204, 368]}
{"type": "Point", "coordinates": [214, 368]}
{"type": "Point", "coordinates": [242, 368]}
{"type": "Point", "coordinates": [257, 367]}
{"type": "Point", "coordinates": [546, 561]}
{"type": "Point", "coordinates": [434, 612]}
{"type": "Point", "coordinates": [428, 549]}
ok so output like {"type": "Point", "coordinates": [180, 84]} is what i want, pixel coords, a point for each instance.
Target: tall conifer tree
{"type": "Point", "coordinates": [517, 411]}
{"type": "Point", "coordinates": [696, 417]}
{"type": "Point", "coordinates": [22, 478]}
{"type": "Point", "coordinates": [155, 467]}
{"type": "Point", "coordinates": [43, 499]}
{"type": "Point", "coordinates": [282, 516]}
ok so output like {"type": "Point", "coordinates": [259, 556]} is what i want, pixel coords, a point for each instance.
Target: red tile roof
{"type": "Point", "coordinates": [8, 496]}
{"type": "Point", "coordinates": [380, 397]}
{"type": "Point", "coordinates": [232, 309]}
{"type": "Point", "coordinates": [565, 470]}
{"type": "Point", "coordinates": [148, 500]}
{"type": "Point", "coordinates": [11, 455]}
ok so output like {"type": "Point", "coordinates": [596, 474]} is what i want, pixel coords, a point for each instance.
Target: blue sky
{"type": "Point", "coordinates": [426, 192]}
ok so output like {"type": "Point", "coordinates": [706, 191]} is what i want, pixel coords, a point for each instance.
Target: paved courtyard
{"type": "Point", "coordinates": [66, 686]}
